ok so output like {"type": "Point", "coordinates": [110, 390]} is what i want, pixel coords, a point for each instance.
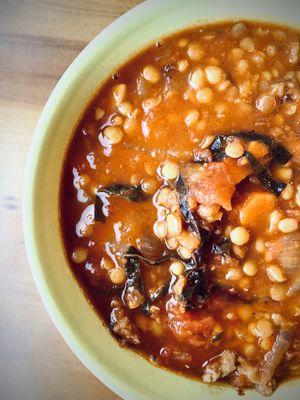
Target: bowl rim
{"type": "Point", "coordinates": [135, 17]}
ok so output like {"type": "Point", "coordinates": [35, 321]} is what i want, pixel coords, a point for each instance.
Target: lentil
{"type": "Point", "coordinates": [182, 65]}
{"type": "Point", "coordinates": [276, 274]}
{"type": "Point", "coordinates": [234, 149]}
{"type": "Point", "coordinates": [238, 30]}
{"type": "Point", "coordinates": [179, 285]}
{"type": "Point", "coordinates": [184, 253]}
{"type": "Point", "coordinates": [265, 344]}
{"type": "Point", "coordinates": [239, 236]}
{"type": "Point", "coordinates": [119, 92]}
{"type": "Point", "coordinates": [106, 264]}
{"type": "Point", "coordinates": [277, 292]}
{"type": "Point", "coordinates": [208, 211]}
{"type": "Point", "coordinates": [117, 275]}
{"type": "Point", "coordinates": [125, 108]}
{"type": "Point", "coordinates": [204, 95]}
{"type": "Point", "coordinates": [266, 104]}
{"type": "Point", "coordinates": [79, 255]}
{"type": "Point", "coordinates": [177, 268]}
{"type": "Point", "coordinates": [99, 113]}
{"type": "Point", "coordinates": [250, 268]}
{"type": "Point", "coordinates": [195, 52]}
{"type": "Point", "coordinates": [233, 274]}
{"type": "Point", "coordinates": [288, 225]}
{"type": "Point", "coordinates": [197, 79]}
{"type": "Point", "coordinates": [192, 117]}
{"type": "Point", "coordinates": [174, 224]}
{"type": "Point", "coordinates": [169, 170]}
{"type": "Point", "coordinates": [149, 185]}
{"type": "Point", "coordinates": [288, 192]}
{"type": "Point", "coordinates": [260, 246]}
{"type": "Point", "coordinates": [151, 74]}
{"type": "Point", "coordinates": [214, 75]}
{"type": "Point", "coordinates": [160, 229]}
{"type": "Point", "coordinates": [247, 44]}
{"type": "Point", "coordinates": [275, 217]}
{"type": "Point", "coordinates": [113, 134]}
{"type": "Point", "coordinates": [284, 174]}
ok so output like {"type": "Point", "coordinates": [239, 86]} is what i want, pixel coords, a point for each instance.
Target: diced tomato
{"type": "Point", "coordinates": [258, 149]}
{"type": "Point", "coordinates": [256, 209]}
{"type": "Point", "coordinates": [237, 172]}
{"type": "Point", "coordinates": [195, 323]}
{"type": "Point", "coordinates": [214, 183]}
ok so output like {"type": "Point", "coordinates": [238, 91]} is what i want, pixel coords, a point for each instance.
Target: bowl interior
{"type": "Point", "coordinates": [123, 371]}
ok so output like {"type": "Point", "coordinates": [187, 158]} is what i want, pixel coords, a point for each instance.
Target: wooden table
{"type": "Point", "coordinates": [38, 40]}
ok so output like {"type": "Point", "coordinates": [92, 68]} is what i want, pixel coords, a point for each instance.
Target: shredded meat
{"type": "Point", "coordinates": [121, 324]}
{"type": "Point", "coordinates": [245, 376]}
{"type": "Point", "coordinates": [294, 52]}
{"type": "Point", "coordinates": [203, 156]}
{"type": "Point", "coordinates": [192, 326]}
{"type": "Point", "coordinates": [287, 251]}
{"type": "Point", "coordinates": [294, 287]}
{"type": "Point", "coordinates": [273, 358]}
{"type": "Point", "coordinates": [266, 389]}
{"type": "Point", "coordinates": [219, 366]}
{"type": "Point", "coordinates": [219, 266]}
{"type": "Point", "coordinates": [173, 353]}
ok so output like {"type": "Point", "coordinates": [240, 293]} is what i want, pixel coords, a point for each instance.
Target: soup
{"type": "Point", "coordinates": [180, 204]}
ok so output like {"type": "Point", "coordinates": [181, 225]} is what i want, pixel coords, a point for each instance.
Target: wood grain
{"type": "Point", "coordinates": [38, 40]}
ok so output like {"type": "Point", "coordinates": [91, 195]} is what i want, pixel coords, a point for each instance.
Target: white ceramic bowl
{"type": "Point", "coordinates": [123, 371]}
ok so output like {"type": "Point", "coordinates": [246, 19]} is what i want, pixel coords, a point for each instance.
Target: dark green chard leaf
{"type": "Point", "coordinates": [218, 336]}
{"type": "Point", "coordinates": [132, 268]}
{"type": "Point", "coordinates": [132, 193]}
{"type": "Point", "coordinates": [191, 219]}
{"type": "Point", "coordinates": [182, 191]}
{"type": "Point", "coordinates": [217, 147]}
{"type": "Point", "coordinates": [113, 291]}
{"type": "Point", "coordinates": [100, 206]}
{"type": "Point", "coordinates": [135, 281]}
{"type": "Point", "coordinates": [160, 292]}
{"type": "Point", "coordinates": [148, 260]}
{"type": "Point", "coordinates": [196, 286]}
{"type": "Point", "coordinates": [264, 176]}
{"type": "Point", "coordinates": [146, 308]}
{"type": "Point", "coordinates": [279, 153]}
{"type": "Point", "coordinates": [157, 295]}
{"type": "Point", "coordinates": [221, 247]}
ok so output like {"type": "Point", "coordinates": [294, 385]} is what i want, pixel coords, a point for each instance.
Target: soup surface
{"type": "Point", "coordinates": [180, 204]}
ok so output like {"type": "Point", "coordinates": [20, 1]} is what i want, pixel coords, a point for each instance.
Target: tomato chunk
{"type": "Point", "coordinates": [215, 182]}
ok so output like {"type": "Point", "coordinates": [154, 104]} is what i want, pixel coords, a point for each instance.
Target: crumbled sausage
{"type": "Point", "coordinates": [121, 324]}
{"type": "Point", "coordinates": [219, 366]}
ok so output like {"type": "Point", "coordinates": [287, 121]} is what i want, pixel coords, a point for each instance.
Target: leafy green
{"type": "Point", "coordinates": [132, 193]}
{"type": "Point", "coordinates": [135, 281]}
{"type": "Point", "coordinates": [148, 260]}
{"type": "Point", "coordinates": [279, 154]}
{"type": "Point", "coordinates": [263, 175]}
